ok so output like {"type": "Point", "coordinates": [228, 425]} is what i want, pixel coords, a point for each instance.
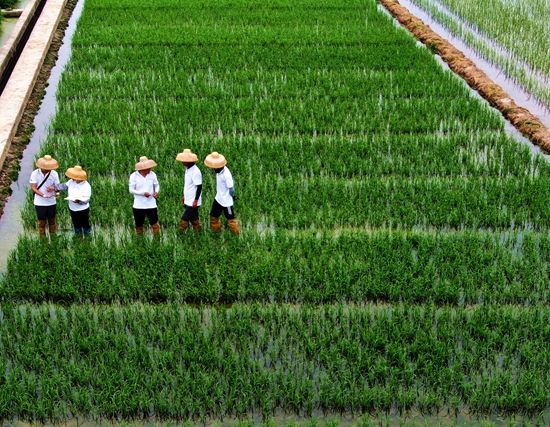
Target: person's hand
{"type": "Point", "coordinates": [156, 195]}
{"type": "Point", "coordinates": [50, 188]}
{"type": "Point", "coordinates": [146, 194]}
{"type": "Point", "coordinates": [195, 203]}
{"type": "Point", "coordinates": [47, 195]}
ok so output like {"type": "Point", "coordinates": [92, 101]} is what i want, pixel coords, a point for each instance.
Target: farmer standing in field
{"type": "Point", "coordinates": [145, 187]}
{"type": "Point", "coordinates": [43, 181]}
{"type": "Point", "coordinates": [225, 194]}
{"type": "Point", "coordinates": [192, 189]}
{"type": "Point", "coordinates": [79, 194]}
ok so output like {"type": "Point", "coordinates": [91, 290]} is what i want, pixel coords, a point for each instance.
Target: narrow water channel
{"type": "Point", "coordinates": [494, 72]}
{"type": "Point", "coordinates": [11, 225]}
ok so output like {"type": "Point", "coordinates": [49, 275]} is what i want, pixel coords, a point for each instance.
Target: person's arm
{"type": "Point", "coordinates": [230, 184]}
{"type": "Point", "coordinates": [60, 187]}
{"type": "Point", "coordinates": [132, 187]}
{"type": "Point", "coordinates": [197, 195]}
{"type": "Point", "coordinates": [85, 195]}
{"type": "Point", "coordinates": [36, 191]}
{"type": "Point", "coordinates": [156, 187]}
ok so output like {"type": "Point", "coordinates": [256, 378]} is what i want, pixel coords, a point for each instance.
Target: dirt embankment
{"type": "Point", "coordinates": [10, 170]}
{"type": "Point", "coordinates": [527, 123]}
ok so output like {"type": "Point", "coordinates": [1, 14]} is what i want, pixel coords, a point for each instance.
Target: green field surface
{"type": "Point", "coordinates": [395, 253]}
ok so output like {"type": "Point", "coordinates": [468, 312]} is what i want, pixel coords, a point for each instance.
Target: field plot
{"type": "Point", "coordinates": [516, 35]}
{"type": "Point", "coordinates": [380, 200]}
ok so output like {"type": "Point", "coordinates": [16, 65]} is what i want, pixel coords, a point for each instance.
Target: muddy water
{"type": "Point", "coordinates": [11, 225]}
{"type": "Point", "coordinates": [516, 92]}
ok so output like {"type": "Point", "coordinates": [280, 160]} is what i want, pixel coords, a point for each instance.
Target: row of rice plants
{"type": "Point", "coordinates": [501, 21]}
{"type": "Point", "coordinates": [351, 265]}
{"type": "Point", "coordinates": [365, 173]}
{"type": "Point", "coordinates": [205, 363]}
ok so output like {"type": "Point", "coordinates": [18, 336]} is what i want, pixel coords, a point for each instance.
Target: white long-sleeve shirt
{"type": "Point", "coordinates": [77, 191]}
{"type": "Point", "coordinates": [139, 185]}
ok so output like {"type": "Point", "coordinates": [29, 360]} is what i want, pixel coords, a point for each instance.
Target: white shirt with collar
{"type": "Point", "coordinates": [79, 191]}
{"type": "Point", "coordinates": [224, 181]}
{"type": "Point", "coordinates": [36, 178]}
{"type": "Point", "coordinates": [193, 178]}
{"type": "Point", "coordinates": [139, 185]}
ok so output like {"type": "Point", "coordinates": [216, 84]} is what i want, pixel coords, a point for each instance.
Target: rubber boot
{"type": "Point", "coordinates": [156, 228]}
{"type": "Point", "coordinates": [215, 224]}
{"type": "Point", "coordinates": [234, 226]}
{"type": "Point", "coordinates": [86, 231]}
{"type": "Point", "coordinates": [52, 225]}
{"type": "Point", "coordinates": [139, 230]}
{"type": "Point", "coordinates": [78, 231]}
{"type": "Point", "coordinates": [184, 224]}
{"type": "Point", "coordinates": [42, 227]}
{"type": "Point", "coordinates": [196, 225]}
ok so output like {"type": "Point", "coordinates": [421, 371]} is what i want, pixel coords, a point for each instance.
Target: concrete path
{"type": "Point", "coordinates": [19, 88]}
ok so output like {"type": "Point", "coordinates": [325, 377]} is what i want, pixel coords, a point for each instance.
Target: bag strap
{"type": "Point", "coordinates": [44, 180]}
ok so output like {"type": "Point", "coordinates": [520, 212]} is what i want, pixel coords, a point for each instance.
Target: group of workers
{"type": "Point", "coordinates": [145, 188]}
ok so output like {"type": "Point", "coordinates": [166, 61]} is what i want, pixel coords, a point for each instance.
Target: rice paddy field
{"type": "Point", "coordinates": [395, 254]}
{"type": "Point", "coordinates": [516, 35]}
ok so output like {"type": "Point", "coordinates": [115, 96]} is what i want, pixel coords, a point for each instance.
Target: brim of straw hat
{"type": "Point", "coordinates": [145, 164]}
{"type": "Point", "coordinates": [76, 174]}
{"type": "Point", "coordinates": [215, 162]}
{"type": "Point", "coordinates": [50, 164]}
{"type": "Point", "coordinates": [187, 157]}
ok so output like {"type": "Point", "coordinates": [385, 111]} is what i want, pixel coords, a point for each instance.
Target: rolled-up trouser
{"type": "Point", "coordinates": [45, 212]}
{"type": "Point", "coordinates": [190, 213]}
{"type": "Point", "coordinates": [81, 220]}
{"type": "Point", "coordinates": [217, 210]}
{"type": "Point", "coordinates": [140, 215]}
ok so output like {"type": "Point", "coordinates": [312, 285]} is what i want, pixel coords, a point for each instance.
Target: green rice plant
{"type": "Point", "coordinates": [216, 363]}
{"type": "Point", "coordinates": [377, 196]}
{"type": "Point", "coordinates": [515, 31]}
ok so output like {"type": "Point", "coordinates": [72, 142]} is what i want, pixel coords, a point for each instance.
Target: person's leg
{"type": "Point", "coordinates": [85, 224]}
{"type": "Point", "coordinates": [215, 213]}
{"type": "Point", "coordinates": [41, 216]}
{"type": "Point", "coordinates": [51, 214]}
{"type": "Point", "coordinates": [185, 219]}
{"type": "Point", "coordinates": [195, 220]}
{"type": "Point", "coordinates": [152, 215]}
{"type": "Point", "coordinates": [75, 218]}
{"type": "Point", "coordinates": [139, 219]}
{"type": "Point", "coordinates": [232, 222]}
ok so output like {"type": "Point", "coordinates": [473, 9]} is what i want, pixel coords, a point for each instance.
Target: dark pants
{"type": "Point", "coordinates": [217, 210]}
{"type": "Point", "coordinates": [190, 213]}
{"type": "Point", "coordinates": [81, 221]}
{"type": "Point", "coordinates": [141, 214]}
{"type": "Point", "coordinates": [45, 212]}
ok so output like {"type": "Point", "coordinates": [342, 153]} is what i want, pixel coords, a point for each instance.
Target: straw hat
{"type": "Point", "coordinates": [145, 163]}
{"type": "Point", "coordinates": [77, 173]}
{"type": "Point", "coordinates": [187, 156]}
{"type": "Point", "coordinates": [47, 162]}
{"type": "Point", "coordinates": [215, 160]}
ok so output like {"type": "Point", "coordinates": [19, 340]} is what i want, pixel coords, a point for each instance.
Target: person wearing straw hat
{"type": "Point", "coordinates": [145, 187]}
{"type": "Point", "coordinates": [79, 194]}
{"type": "Point", "coordinates": [192, 188]}
{"type": "Point", "coordinates": [225, 194]}
{"type": "Point", "coordinates": [43, 181]}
